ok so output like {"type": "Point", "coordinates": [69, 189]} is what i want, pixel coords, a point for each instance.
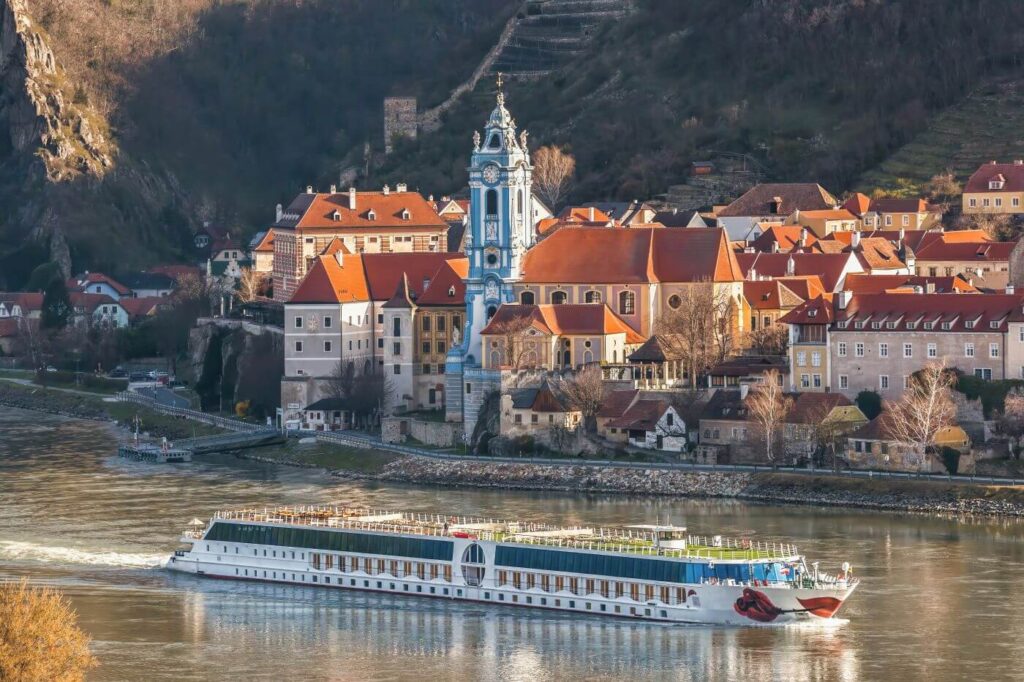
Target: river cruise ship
{"type": "Point", "coordinates": [650, 572]}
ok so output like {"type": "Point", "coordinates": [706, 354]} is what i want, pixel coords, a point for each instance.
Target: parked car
{"type": "Point", "coordinates": [138, 376]}
{"type": "Point", "coordinates": [117, 373]}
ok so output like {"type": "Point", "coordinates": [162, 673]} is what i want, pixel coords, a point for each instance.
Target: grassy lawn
{"type": "Point", "coordinates": [16, 373]}
{"type": "Point", "coordinates": [332, 456]}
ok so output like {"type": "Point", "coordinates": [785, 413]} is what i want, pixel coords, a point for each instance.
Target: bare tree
{"type": "Point", "coordinates": [698, 330]}
{"type": "Point", "coordinates": [560, 438]}
{"type": "Point", "coordinates": [943, 189]}
{"type": "Point", "coordinates": [925, 408]}
{"type": "Point", "coordinates": [770, 340]}
{"type": "Point", "coordinates": [998, 226]}
{"type": "Point", "coordinates": [553, 171]}
{"type": "Point", "coordinates": [363, 394]}
{"type": "Point", "coordinates": [768, 406]}
{"type": "Point", "coordinates": [250, 284]}
{"type": "Point", "coordinates": [512, 335]}
{"type": "Point", "coordinates": [585, 391]}
{"type": "Point", "coordinates": [39, 636]}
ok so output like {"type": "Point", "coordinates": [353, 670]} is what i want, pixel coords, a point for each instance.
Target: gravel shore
{"type": "Point", "coordinates": [881, 494]}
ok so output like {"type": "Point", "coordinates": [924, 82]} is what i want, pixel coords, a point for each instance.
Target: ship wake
{"type": "Point", "coordinates": [30, 551]}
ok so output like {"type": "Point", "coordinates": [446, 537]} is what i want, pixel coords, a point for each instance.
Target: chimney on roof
{"type": "Point", "coordinates": [386, 190]}
{"type": "Point", "coordinates": [790, 267]}
{"type": "Point", "coordinates": [902, 234]}
{"type": "Point", "coordinates": [929, 287]}
{"type": "Point", "coordinates": [1018, 162]}
{"type": "Point", "coordinates": [1010, 289]}
{"type": "Point", "coordinates": [334, 189]}
{"type": "Point", "coordinates": [339, 256]}
{"type": "Point", "coordinates": [591, 214]}
{"type": "Point", "coordinates": [352, 198]}
{"type": "Point", "coordinates": [401, 187]}
{"type": "Point", "coordinates": [855, 239]}
{"type": "Point", "coordinates": [803, 237]}
{"type": "Point", "coordinates": [430, 198]}
{"type": "Point", "coordinates": [992, 162]}
{"type": "Point", "coordinates": [278, 212]}
{"type": "Point", "coordinates": [309, 189]}
{"type": "Point", "coordinates": [752, 275]}
{"type": "Point", "coordinates": [775, 247]}
{"type": "Point", "coordinates": [843, 299]}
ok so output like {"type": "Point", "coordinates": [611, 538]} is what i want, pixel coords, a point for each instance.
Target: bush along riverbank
{"type": "Point", "coordinates": [881, 494]}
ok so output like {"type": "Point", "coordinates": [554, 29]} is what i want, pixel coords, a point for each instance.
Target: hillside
{"type": "Point", "coordinates": [811, 90]}
{"type": "Point", "coordinates": [988, 124]}
{"type": "Point", "coordinates": [208, 110]}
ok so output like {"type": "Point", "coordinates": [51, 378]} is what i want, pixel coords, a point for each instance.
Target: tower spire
{"type": "Point", "coordinates": [501, 94]}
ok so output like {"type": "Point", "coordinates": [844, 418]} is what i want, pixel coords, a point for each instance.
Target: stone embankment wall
{"type": "Point", "coordinates": [889, 495]}
{"type": "Point", "coordinates": [434, 434]}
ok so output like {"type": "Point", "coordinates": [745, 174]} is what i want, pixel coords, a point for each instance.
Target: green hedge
{"type": "Point", "coordinates": [992, 393]}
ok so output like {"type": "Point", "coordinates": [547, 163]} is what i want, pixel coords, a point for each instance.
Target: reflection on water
{"type": "Point", "coordinates": [934, 604]}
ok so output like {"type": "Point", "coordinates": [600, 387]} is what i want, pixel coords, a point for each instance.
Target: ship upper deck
{"type": "Point", "coordinates": [639, 540]}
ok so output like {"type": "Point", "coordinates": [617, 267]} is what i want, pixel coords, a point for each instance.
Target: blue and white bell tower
{"type": "Point", "coordinates": [500, 231]}
{"type": "Point", "coordinates": [500, 224]}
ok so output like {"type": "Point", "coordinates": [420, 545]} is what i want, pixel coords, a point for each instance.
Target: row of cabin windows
{"type": "Point", "coordinates": [998, 202]}
{"type": "Point", "coordinates": [609, 589]}
{"type": "Point", "coordinates": [372, 566]}
{"type": "Point", "coordinates": [627, 299]}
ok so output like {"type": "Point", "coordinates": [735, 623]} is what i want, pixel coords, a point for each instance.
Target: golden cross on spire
{"type": "Point", "coordinates": [499, 81]}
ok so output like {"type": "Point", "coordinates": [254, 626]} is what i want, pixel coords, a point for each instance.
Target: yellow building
{"type": "Point", "coordinates": [995, 188]}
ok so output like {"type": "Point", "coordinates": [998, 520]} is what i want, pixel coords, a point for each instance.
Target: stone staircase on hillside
{"type": "Point", "coordinates": [551, 32]}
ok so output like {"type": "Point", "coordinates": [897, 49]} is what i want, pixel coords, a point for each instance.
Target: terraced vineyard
{"type": "Point", "coordinates": [988, 124]}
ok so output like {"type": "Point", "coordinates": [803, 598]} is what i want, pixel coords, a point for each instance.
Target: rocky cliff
{"type": "Point", "coordinates": [232, 361]}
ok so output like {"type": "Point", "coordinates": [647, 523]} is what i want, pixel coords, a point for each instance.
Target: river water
{"type": "Point", "coordinates": [937, 601]}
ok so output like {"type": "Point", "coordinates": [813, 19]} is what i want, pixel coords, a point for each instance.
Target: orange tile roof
{"type": "Point", "coordinates": [1013, 175]}
{"type": "Point", "coordinates": [636, 255]}
{"type": "Point", "coordinates": [642, 415]}
{"type": "Point", "coordinates": [567, 319]}
{"type": "Point", "coordinates": [447, 286]}
{"type": "Point", "coordinates": [805, 196]}
{"type": "Point", "coordinates": [334, 247]}
{"type": "Point", "coordinates": [865, 283]}
{"type": "Point", "coordinates": [330, 282]}
{"type": "Point", "coordinates": [82, 282]}
{"type": "Point", "coordinates": [769, 295]}
{"type": "Point", "coordinates": [786, 236]}
{"type": "Point", "coordinates": [617, 402]}
{"type": "Point", "coordinates": [331, 212]}
{"type": "Point", "coordinates": [806, 286]}
{"type": "Point", "coordinates": [584, 214]}
{"type": "Point", "coordinates": [944, 312]}
{"type": "Point", "coordinates": [144, 305]}
{"type": "Point", "coordinates": [383, 270]}
{"type": "Point", "coordinates": [875, 253]}
{"type": "Point", "coordinates": [266, 244]}
{"type": "Point", "coordinates": [858, 204]}
{"type": "Point", "coordinates": [828, 266]}
{"type": "Point", "coordinates": [949, 246]}
{"type": "Point", "coordinates": [811, 408]}
{"type": "Point", "coordinates": [816, 311]}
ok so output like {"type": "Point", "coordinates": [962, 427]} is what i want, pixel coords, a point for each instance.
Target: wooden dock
{"type": "Point", "coordinates": [154, 453]}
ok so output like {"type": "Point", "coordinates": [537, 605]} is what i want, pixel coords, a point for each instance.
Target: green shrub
{"type": "Point", "coordinates": [992, 393]}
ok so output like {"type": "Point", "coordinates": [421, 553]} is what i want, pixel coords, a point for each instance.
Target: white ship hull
{"type": "Point", "coordinates": [710, 602]}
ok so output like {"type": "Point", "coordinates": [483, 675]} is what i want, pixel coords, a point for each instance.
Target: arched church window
{"type": "Point", "coordinates": [593, 297]}
{"type": "Point", "coordinates": [494, 142]}
{"type": "Point", "coordinates": [527, 298]}
{"type": "Point", "coordinates": [559, 297]}
{"type": "Point", "coordinates": [627, 303]}
{"type": "Point", "coordinates": [491, 309]}
{"type": "Point", "coordinates": [491, 202]}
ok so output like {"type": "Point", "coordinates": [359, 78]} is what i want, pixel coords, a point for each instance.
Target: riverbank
{"type": "Point", "coordinates": [880, 494]}
{"type": "Point", "coordinates": [95, 408]}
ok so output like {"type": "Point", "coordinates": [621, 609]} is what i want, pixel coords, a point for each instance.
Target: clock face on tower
{"type": "Point", "coordinates": [490, 174]}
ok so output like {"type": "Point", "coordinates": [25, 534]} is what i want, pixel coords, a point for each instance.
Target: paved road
{"type": "Point", "coordinates": [31, 384]}
{"type": "Point", "coordinates": [164, 396]}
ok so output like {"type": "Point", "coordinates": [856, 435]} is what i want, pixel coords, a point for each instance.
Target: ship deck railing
{"type": "Point", "coordinates": [623, 541]}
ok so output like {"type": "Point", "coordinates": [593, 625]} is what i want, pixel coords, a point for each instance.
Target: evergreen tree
{"type": "Point", "coordinates": [56, 305]}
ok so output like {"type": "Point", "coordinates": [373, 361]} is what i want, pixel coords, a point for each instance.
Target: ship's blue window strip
{"type": "Point", "coordinates": [332, 540]}
{"type": "Point", "coordinates": [559, 561]}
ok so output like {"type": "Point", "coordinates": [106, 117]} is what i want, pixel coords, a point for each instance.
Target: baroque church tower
{"type": "Point", "coordinates": [500, 226]}
{"type": "Point", "coordinates": [500, 232]}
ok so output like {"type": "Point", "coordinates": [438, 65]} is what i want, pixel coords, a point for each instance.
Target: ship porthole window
{"type": "Point", "coordinates": [492, 258]}
{"type": "Point", "coordinates": [674, 301]}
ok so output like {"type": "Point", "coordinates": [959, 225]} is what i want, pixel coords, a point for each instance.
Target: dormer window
{"type": "Point", "coordinates": [998, 182]}
{"type": "Point", "coordinates": [336, 216]}
{"type": "Point", "coordinates": [371, 215]}
{"type": "Point", "coordinates": [812, 313]}
{"type": "Point", "coordinates": [858, 325]}
{"type": "Point", "coordinates": [929, 325]}
{"type": "Point", "coordinates": [405, 214]}
{"type": "Point", "coordinates": [451, 292]}
{"type": "Point", "coordinates": [842, 324]}
{"type": "Point", "coordinates": [947, 325]}
{"type": "Point", "coordinates": [994, 324]}
{"type": "Point", "coordinates": [969, 324]}
{"type": "Point", "coordinates": [876, 325]}
{"type": "Point", "coordinates": [911, 325]}
{"type": "Point", "coordinates": [890, 325]}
